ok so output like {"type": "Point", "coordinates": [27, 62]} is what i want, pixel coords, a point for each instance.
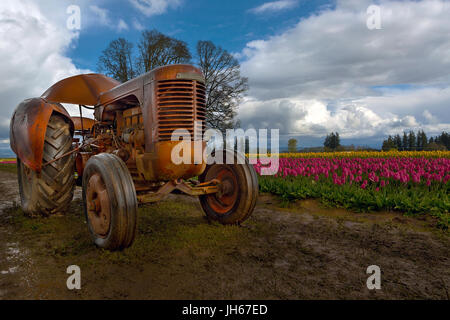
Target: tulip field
{"type": "Point", "coordinates": [414, 183]}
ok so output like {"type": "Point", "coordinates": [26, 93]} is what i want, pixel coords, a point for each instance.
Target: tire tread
{"type": "Point", "coordinates": [53, 188]}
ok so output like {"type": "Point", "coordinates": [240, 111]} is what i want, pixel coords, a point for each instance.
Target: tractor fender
{"type": "Point", "coordinates": [28, 127]}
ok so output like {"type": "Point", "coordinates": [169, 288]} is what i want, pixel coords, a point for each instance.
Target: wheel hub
{"type": "Point", "coordinates": [98, 205]}
{"type": "Point", "coordinates": [224, 200]}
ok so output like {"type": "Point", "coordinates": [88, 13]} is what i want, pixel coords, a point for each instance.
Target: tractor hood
{"type": "Point", "coordinates": [83, 89]}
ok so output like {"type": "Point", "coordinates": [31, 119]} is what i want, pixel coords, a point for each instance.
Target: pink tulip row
{"type": "Point", "coordinates": [364, 171]}
{"type": "Point", "coordinates": [8, 161]}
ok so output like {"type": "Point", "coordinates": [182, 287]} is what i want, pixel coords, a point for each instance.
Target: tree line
{"type": "Point", "coordinates": [225, 87]}
{"type": "Point", "coordinates": [417, 141]}
{"type": "Point", "coordinates": [332, 143]}
{"type": "Point", "coordinates": [409, 141]}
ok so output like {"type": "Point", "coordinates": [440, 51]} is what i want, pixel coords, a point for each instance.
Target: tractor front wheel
{"type": "Point", "coordinates": [238, 192]}
{"type": "Point", "coordinates": [110, 203]}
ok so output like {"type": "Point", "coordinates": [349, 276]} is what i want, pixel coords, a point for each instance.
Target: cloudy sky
{"type": "Point", "coordinates": [313, 66]}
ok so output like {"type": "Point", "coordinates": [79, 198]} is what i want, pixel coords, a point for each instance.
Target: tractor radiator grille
{"type": "Point", "coordinates": [179, 104]}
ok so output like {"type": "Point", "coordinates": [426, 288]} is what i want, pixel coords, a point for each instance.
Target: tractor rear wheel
{"type": "Point", "coordinates": [238, 192]}
{"type": "Point", "coordinates": [51, 190]}
{"type": "Point", "coordinates": [110, 203]}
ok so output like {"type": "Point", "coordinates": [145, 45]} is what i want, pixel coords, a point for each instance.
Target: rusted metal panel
{"type": "Point", "coordinates": [158, 166]}
{"type": "Point", "coordinates": [80, 161]}
{"type": "Point", "coordinates": [132, 88]}
{"type": "Point", "coordinates": [86, 125]}
{"type": "Point", "coordinates": [132, 117]}
{"type": "Point", "coordinates": [28, 127]}
{"type": "Point", "coordinates": [177, 71]}
{"type": "Point", "coordinates": [84, 89]}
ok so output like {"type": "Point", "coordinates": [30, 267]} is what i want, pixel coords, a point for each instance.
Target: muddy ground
{"type": "Point", "coordinates": [300, 252]}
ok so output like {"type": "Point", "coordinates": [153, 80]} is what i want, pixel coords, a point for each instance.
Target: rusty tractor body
{"type": "Point", "coordinates": [123, 156]}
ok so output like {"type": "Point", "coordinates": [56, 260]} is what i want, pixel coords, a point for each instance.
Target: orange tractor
{"type": "Point", "coordinates": [123, 157]}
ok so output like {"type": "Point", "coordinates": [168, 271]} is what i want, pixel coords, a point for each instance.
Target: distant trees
{"type": "Point", "coordinates": [442, 140]}
{"type": "Point", "coordinates": [405, 144]}
{"type": "Point", "coordinates": [419, 141]}
{"type": "Point", "coordinates": [332, 141]}
{"type": "Point", "coordinates": [412, 143]}
{"type": "Point", "coordinates": [397, 141]}
{"type": "Point", "coordinates": [225, 87]}
{"type": "Point", "coordinates": [389, 144]}
{"type": "Point", "coordinates": [433, 146]}
{"type": "Point", "coordinates": [292, 145]}
{"type": "Point", "coordinates": [422, 140]}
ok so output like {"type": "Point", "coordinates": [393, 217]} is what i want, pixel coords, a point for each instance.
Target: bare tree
{"type": "Point", "coordinates": [225, 86]}
{"type": "Point", "coordinates": [157, 49]}
{"type": "Point", "coordinates": [116, 60]}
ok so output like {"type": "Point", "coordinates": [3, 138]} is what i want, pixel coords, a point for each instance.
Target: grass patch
{"type": "Point", "coordinates": [8, 167]}
{"type": "Point", "coordinates": [171, 228]}
{"type": "Point", "coordinates": [164, 230]}
{"type": "Point", "coordinates": [411, 200]}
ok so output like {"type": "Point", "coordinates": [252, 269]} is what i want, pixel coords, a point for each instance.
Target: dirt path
{"type": "Point", "coordinates": [301, 252]}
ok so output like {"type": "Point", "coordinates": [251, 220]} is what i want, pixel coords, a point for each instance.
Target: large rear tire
{"type": "Point", "coordinates": [110, 202]}
{"type": "Point", "coordinates": [238, 192]}
{"type": "Point", "coordinates": [51, 190]}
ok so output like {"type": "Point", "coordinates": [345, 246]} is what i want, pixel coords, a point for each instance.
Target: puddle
{"type": "Point", "coordinates": [14, 265]}
{"type": "Point", "coordinates": [7, 204]}
{"type": "Point", "coordinates": [10, 270]}
{"type": "Point", "coordinates": [12, 251]}
{"type": "Point", "coordinates": [350, 224]}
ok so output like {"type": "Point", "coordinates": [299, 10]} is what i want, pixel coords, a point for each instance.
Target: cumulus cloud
{"type": "Point", "coordinates": [274, 6]}
{"type": "Point", "coordinates": [32, 54]}
{"type": "Point", "coordinates": [154, 7]}
{"type": "Point", "coordinates": [429, 117]}
{"type": "Point", "coordinates": [361, 82]}
{"type": "Point", "coordinates": [281, 114]}
{"type": "Point", "coordinates": [102, 16]}
{"type": "Point", "coordinates": [122, 25]}
{"type": "Point", "coordinates": [137, 25]}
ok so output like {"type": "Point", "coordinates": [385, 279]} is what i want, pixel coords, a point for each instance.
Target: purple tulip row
{"type": "Point", "coordinates": [364, 171]}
